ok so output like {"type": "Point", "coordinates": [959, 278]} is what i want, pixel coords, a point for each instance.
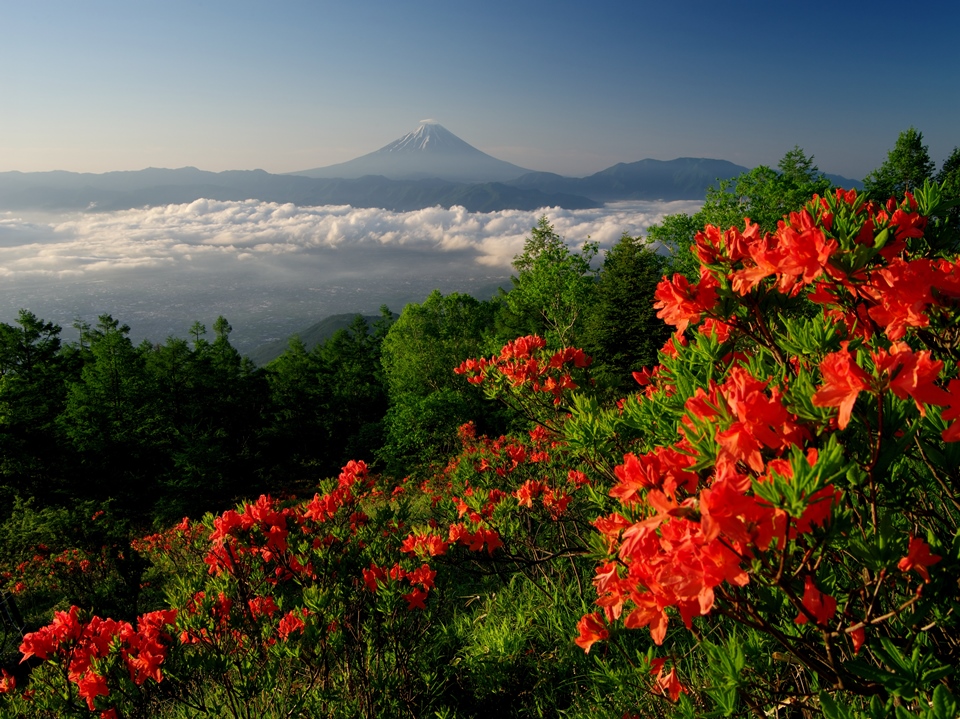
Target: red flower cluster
{"type": "Point", "coordinates": [517, 458]}
{"type": "Point", "coordinates": [668, 684]}
{"type": "Point", "coordinates": [165, 541]}
{"type": "Point", "coordinates": [49, 570]}
{"type": "Point", "coordinates": [859, 278]}
{"type": "Point", "coordinates": [592, 630]}
{"type": "Point", "coordinates": [424, 544]}
{"type": "Point", "coordinates": [918, 558]}
{"type": "Point", "coordinates": [817, 606]}
{"type": "Point", "coordinates": [520, 364]}
{"type": "Point", "coordinates": [681, 303]}
{"type": "Point", "coordinates": [420, 579]}
{"type": "Point", "coordinates": [475, 540]}
{"type": "Point", "coordinates": [264, 528]}
{"type": "Point", "coordinates": [688, 543]}
{"type": "Point", "coordinates": [899, 370]}
{"type": "Point", "coordinates": [292, 622]}
{"type": "Point", "coordinates": [353, 481]}
{"type": "Point", "coordinates": [78, 645]}
{"type": "Point", "coordinates": [555, 502]}
{"type": "Point", "coordinates": [745, 479]}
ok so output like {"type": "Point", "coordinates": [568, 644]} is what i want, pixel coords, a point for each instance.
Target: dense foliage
{"type": "Point", "coordinates": [461, 513]}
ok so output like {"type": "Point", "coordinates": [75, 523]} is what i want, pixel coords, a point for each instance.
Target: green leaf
{"type": "Point", "coordinates": [832, 710]}
{"type": "Point", "coordinates": [904, 713]}
{"type": "Point", "coordinates": [877, 709]}
{"type": "Point", "coordinates": [944, 705]}
{"type": "Point", "coordinates": [881, 239]}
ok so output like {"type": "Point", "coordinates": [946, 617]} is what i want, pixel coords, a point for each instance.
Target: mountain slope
{"type": "Point", "coordinates": [429, 151]}
{"type": "Point", "coordinates": [312, 336]}
{"type": "Point", "coordinates": [685, 178]}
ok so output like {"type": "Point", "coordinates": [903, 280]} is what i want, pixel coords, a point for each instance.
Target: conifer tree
{"type": "Point", "coordinates": [552, 290]}
{"type": "Point", "coordinates": [112, 419]}
{"type": "Point", "coordinates": [907, 165]}
{"type": "Point", "coordinates": [34, 371]}
{"type": "Point", "coordinates": [623, 332]}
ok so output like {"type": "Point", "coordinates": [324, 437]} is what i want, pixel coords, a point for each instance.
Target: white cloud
{"type": "Point", "coordinates": [206, 233]}
{"type": "Point", "coordinates": [272, 269]}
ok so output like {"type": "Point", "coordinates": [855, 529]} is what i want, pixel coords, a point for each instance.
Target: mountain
{"type": "Point", "coordinates": [428, 167]}
{"type": "Point", "coordinates": [844, 182]}
{"type": "Point", "coordinates": [57, 191]}
{"type": "Point", "coordinates": [685, 178]}
{"type": "Point", "coordinates": [429, 151]}
{"type": "Point", "coordinates": [677, 179]}
{"type": "Point", "coordinates": [312, 336]}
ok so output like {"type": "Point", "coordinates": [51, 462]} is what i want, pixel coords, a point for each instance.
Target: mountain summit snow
{"type": "Point", "coordinates": [430, 151]}
{"type": "Point", "coordinates": [431, 137]}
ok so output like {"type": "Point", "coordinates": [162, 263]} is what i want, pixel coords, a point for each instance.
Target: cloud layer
{"type": "Point", "coordinates": [271, 269]}
{"type": "Point", "coordinates": [215, 235]}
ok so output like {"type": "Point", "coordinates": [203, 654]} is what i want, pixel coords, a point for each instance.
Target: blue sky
{"type": "Point", "coordinates": [568, 87]}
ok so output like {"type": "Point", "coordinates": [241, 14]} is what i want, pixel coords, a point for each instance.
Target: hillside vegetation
{"type": "Point", "coordinates": [711, 473]}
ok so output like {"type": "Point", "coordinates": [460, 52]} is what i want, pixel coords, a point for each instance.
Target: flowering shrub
{"type": "Point", "coordinates": [273, 607]}
{"type": "Point", "coordinates": [93, 650]}
{"type": "Point", "coordinates": [55, 558]}
{"type": "Point", "coordinates": [525, 374]}
{"type": "Point", "coordinates": [792, 482]}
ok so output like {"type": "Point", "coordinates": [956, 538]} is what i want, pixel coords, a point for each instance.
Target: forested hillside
{"type": "Point", "coordinates": [656, 482]}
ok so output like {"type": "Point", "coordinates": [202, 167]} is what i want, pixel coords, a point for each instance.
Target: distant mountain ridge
{"type": "Point", "coordinates": [684, 178]}
{"type": "Point", "coordinates": [428, 167]}
{"type": "Point", "coordinates": [57, 191]}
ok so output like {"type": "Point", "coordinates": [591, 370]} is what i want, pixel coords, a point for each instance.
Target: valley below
{"type": "Point", "coordinates": [271, 270]}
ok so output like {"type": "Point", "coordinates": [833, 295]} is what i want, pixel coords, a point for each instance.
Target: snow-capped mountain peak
{"type": "Point", "coordinates": [430, 151]}
{"type": "Point", "coordinates": [430, 136]}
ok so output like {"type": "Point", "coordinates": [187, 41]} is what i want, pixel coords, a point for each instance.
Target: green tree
{"type": "Point", "coordinates": [299, 400]}
{"type": "Point", "coordinates": [798, 180]}
{"type": "Point", "coordinates": [673, 236]}
{"type": "Point", "coordinates": [949, 179]}
{"type": "Point", "coordinates": [765, 195]}
{"type": "Point", "coordinates": [217, 449]}
{"type": "Point", "coordinates": [949, 175]}
{"type": "Point", "coordinates": [34, 371]}
{"type": "Point", "coordinates": [907, 165]}
{"type": "Point", "coordinates": [354, 370]}
{"type": "Point", "coordinates": [171, 366]}
{"type": "Point", "coordinates": [112, 419]}
{"type": "Point", "coordinates": [552, 290]}
{"type": "Point", "coordinates": [328, 405]}
{"type": "Point", "coordinates": [623, 332]}
{"type": "Point", "coordinates": [427, 400]}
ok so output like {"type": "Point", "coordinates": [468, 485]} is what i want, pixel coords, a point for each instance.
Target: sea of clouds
{"type": "Point", "coordinates": [268, 262]}
{"type": "Point", "coordinates": [219, 233]}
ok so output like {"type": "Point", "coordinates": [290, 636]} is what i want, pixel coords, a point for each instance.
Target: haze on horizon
{"type": "Point", "coordinates": [560, 86]}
